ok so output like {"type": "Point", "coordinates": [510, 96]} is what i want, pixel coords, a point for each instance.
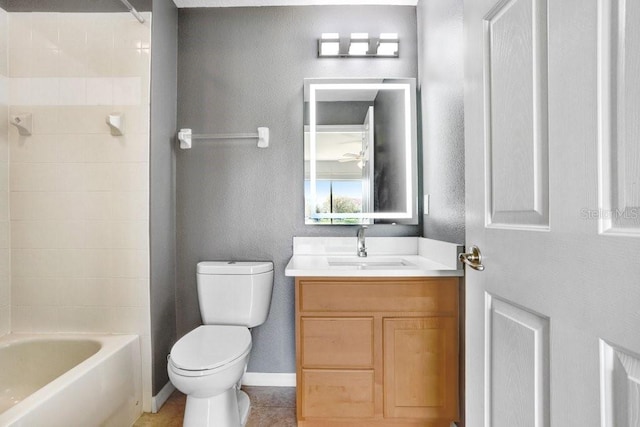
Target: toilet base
{"type": "Point", "coordinates": [244, 407]}
{"type": "Point", "coordinates": [228, 409]}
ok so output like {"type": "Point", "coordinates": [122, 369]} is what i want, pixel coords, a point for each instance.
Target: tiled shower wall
{"type": "Point", "coordinates": [5, 246]}
{"type": "Point", "coordinates": [79, 196]}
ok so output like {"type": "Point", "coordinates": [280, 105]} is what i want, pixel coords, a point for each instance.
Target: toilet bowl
{"type": "Point", "coordinates": [207, 365]}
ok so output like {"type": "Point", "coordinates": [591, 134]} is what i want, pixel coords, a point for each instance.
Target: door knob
{"type": "Point", "coordinates": [473, 259]}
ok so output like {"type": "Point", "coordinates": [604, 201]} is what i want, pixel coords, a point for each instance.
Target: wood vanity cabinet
{"type": "Point", "coordinates": [377, 351]}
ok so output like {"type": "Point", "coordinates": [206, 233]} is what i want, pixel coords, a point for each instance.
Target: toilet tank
{"type": "Point", "coordinates": [234, 292]}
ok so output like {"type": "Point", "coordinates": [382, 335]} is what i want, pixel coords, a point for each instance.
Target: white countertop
{"type": "Point", "coordinates": [387, 257]}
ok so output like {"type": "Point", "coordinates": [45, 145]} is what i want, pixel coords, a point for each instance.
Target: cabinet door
{"type": "Point", "coordinates": [421, 368]}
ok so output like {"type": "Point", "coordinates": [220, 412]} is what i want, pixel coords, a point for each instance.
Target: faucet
{"type": "Point", "coordinates": [362, 249]}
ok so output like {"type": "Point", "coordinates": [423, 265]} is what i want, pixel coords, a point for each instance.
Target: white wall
{"type": "Point", "coordinates": [79, 197]}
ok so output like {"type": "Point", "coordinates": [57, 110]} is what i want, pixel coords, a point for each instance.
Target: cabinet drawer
{"type": "Point", "coordinates": [337, 342]}
{"type": "Point", "coordinates": [429, 295]}
{"type": "Point", "coordinates": [337, 393]}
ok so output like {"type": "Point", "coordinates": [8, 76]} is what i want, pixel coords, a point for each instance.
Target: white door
{"type": "Point", "coordinates": [552, 128]}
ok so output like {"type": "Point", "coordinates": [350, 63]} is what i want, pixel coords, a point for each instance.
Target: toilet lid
{"type": "Point", "coordinates": [210, 346]}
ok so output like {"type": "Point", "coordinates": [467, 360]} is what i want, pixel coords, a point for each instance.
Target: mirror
{"type": "Point", "coordinates": [360, 151]}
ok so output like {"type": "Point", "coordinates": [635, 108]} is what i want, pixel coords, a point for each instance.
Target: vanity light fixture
{"type": "Point", "coordinates": [358, 45]}
{"type": "Point", "coordinates": [329, 44]}
{"type": "Point", "coordinates": [388, 45]}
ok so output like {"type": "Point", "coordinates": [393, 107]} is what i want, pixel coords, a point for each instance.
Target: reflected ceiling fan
{"type": "Point", "coordinates": [353, 157]}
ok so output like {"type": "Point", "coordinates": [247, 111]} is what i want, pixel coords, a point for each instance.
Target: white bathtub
{"type": "Point", "coordinates": [52, 380]}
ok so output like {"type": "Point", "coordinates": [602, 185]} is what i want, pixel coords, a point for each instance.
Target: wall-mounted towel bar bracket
{"type": "Point", "coordinates": [23, 122]}
{"type": "Point", "coordinates": [186, 137]}
{"type": "Point", "coordinates": [116, 123]}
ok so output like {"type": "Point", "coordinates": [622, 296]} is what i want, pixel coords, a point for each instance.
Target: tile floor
{"type": "Point", "coordinates": [270, 407]}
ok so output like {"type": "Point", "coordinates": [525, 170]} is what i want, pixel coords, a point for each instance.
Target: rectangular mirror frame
{"type": "Point", "coordinates": [314, 88]}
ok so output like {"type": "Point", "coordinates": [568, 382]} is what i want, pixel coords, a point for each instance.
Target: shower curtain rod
{"type": "Point", "coordinates": [133, 11]}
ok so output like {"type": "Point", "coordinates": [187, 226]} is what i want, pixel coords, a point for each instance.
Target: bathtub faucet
{"type": "Point", "coordinates": [362, 249]}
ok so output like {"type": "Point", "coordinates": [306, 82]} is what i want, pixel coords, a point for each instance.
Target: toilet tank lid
{"type": "Point", "coordinates": [234, 267]}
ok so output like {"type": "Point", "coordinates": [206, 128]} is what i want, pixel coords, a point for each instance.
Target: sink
{"type": "Point", "coordinates": [388, 257]}
{"type": "Point", "coordinates": [369, 263]}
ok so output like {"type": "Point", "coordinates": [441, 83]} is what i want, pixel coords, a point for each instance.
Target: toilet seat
{"type": "Point", "coordinates": [208, 348]}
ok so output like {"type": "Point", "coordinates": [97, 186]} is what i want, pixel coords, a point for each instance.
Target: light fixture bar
{"type": "Point", "coordinates": [358, 45]}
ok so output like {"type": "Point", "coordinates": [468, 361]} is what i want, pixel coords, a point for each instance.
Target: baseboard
{"type": "Point", "coordinates": [158, 400]}
{"type": "Point", "coordinates": [269, 379]}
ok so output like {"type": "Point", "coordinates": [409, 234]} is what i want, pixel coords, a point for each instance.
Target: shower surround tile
{"type": "Point", "coordinates": [5, 243]}
{"type": "Point", "coordinates": [78, 196]}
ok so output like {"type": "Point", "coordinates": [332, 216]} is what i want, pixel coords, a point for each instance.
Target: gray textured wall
{"type": "Point", "coordinates": [339, 112]}
{"type": "Point", "coordinates": [164, 76]}
{"type": "Point", "coordinates": [390, 170]}
{"type": "Point", "coordinates": [441, 87]}
{"type": "Point", "coordinates": [240, 68]}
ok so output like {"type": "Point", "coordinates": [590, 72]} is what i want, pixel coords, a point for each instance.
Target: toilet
{"type": "Point", "coordinates": [207, 363]}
